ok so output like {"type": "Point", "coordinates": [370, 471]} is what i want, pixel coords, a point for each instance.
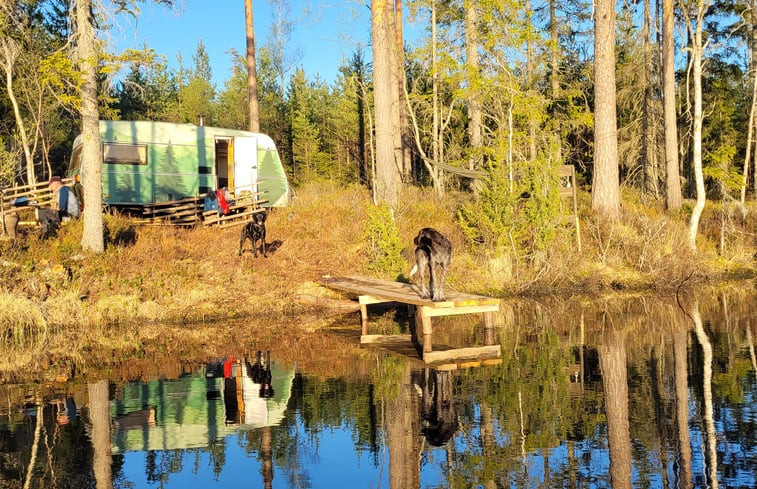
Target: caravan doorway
{"type": "Point", "coordinates": [224, 167]}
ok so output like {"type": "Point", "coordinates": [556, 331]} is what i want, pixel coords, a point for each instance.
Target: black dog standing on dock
{"type": "Point", "coordinates": [432, 251]}
{"type": "Point", "coordinates": [254, 231]}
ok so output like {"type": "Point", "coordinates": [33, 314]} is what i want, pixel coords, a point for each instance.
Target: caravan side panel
{"type": "Point", "coordinates": [177, 162]}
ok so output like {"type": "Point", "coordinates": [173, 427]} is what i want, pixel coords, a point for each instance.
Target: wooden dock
{"type": "Point", "coordinates": [377, 291]}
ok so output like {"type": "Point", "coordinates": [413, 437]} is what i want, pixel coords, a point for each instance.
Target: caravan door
{"type": "Point", "coordinates": [245, 165]}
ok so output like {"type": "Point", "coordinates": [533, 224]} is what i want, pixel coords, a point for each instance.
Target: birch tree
{"type": "Point", "coordinates": [10, 51]}
{"type": "Point", "coordinates": [698, 45]}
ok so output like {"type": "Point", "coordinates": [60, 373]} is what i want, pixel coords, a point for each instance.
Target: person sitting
{"type": "Point", "coordinates": [64, 200]}
{"type": "Point", "coordinates": [218, 200]}
{"type": "Point", "coordinates": [211, 202]}
{"type": "Point", "coordinates": [65, 206]}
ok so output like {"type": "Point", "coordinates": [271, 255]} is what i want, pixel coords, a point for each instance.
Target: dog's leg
{"type": "Point", "coordinates": [265, 255]}
{"type": "Point", "coordinates": [422, 262]}
{"type": "Point", "coordinates": [433, 281]}
{"type": "Point", "coordinates": [241, 243]}
{"type": "Point", "coordinates": [254, 247]}
{"type": "Point", "coordinates": [441, 277]}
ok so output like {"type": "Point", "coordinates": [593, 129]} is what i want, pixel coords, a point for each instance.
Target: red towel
{"type": "Point", "coordinates": [222, 201]}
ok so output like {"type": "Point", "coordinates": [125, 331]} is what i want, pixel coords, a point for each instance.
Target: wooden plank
{"type": "Point", "coordinates": [170, 203]}
{"type": "Point", "coordinates": [368, 339]}
{"type": "Point", "coordinates": [231, 224]}
{"type": "Point", "coordinates": [457, 354]}
{"type": "Point", "coordinates": [366, 299]}
{"type": "Point", "coordinates": [433, 312]}
{"type": "Point", "coordinates": [212, 217]}
{"type": "Point", "coordinates": [384, 290]}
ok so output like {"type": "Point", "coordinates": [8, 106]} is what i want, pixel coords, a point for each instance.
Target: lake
{"type": "Point", "coordinates": [640, 392]}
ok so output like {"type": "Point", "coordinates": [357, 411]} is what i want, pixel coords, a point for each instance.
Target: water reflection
{"type": "Point", "coordinates": [636, 394]}
{"type": "Point", "coordinates": [195, 410]}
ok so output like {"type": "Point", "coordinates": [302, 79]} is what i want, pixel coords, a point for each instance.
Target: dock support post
{"type": "Point", "coordinates": [364, 319]}
{"type": "Point", "coordinates": [489, 319]}
{"type": "Point", "coordinates": [427, 344]}
{"type": "Point", "coordinates": [426, 321]}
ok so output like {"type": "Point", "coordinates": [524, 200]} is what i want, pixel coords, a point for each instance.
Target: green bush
{"type": "Point", "coordinates": [517, 212]}
{"type": "Point", "coordinates": [384, 245]}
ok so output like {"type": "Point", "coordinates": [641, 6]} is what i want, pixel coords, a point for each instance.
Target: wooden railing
{"type": "Point", "coordinates": [189, 211]}
{"type": "Point", "coordinates": [23, 200]}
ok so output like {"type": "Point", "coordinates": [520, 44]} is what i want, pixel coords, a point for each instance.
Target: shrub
{"type": "Point", "coordinates": [384, 243]}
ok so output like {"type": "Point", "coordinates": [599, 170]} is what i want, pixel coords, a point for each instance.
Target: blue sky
{"type": "Point", "coordinates": [324, 33]}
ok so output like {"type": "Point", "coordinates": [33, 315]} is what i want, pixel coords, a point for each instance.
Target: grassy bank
{"type": "Point", "coordinates": [56, 300]}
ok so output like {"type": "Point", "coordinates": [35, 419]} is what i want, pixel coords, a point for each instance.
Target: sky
{"type": "Point", "coordinates": [324, 32]}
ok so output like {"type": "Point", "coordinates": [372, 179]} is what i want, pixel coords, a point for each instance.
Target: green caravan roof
{"type": "Point", "coordinates": [162, 132]}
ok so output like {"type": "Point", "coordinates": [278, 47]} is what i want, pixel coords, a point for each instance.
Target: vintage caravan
{"type": "Point", "coordinates": [146, 162]}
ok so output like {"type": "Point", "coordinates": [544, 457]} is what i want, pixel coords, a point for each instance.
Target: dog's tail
{"type": "Point", "coordinates": [414, 270]}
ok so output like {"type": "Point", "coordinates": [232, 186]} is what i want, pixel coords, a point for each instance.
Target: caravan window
{"type": "Point", "coordinates": [125, 154]}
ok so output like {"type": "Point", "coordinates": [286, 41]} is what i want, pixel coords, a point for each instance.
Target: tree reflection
{"type": "Point", "coordinates": [542, 417]}
{"type": "Point", "coordinates": [680, 362]}
{"type": "Point", "coordinates": [612, 358]}
{"type": "Point", "coordinates": [403, 434]}
{"type": "Point", "coordinates": [99, 416]}
{"type": "Point", "coordinates": [704, 343]}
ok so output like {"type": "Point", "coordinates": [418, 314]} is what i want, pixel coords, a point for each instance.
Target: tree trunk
{"type": "Point", "coordinates": [99, 416]}
{"type": "Point", "coordinates": [252, 73]}
{"type": "Point", "coordinates": [680, 346]}
{"type": "Point", "coordinates": [648, 124]}
{"type": "Point", "coordinates": [388, 178]}
{"type": "Point", "coordinates": [436, 134]}
{"type": "Point", "coordinates": [266, 453]}
{"type": "Point", "coordinates": [605, 192]}
{"type": "Point", "coordinates": [91, 168]}
{"type": "Point", "coordinates": [612, 359]}
{"type": "Point", "coordinates": [753, 45]}
{"type": "Point", "coordinates": [403, 433]}
{"type": "Point", "coordinates": [711, 456]}
{"type": "Point", "coordinates": [554, 80]}
{"type": "Point", "coordinates": [10, 52]}
{"type": "Point", "coordinates": [404, 132]}
{"type": "Point", "coordinates": [750, 130]}
{"type": "Point", "coordinates": [472, 68]}
{"type": "Point", "coordinates": [529, 80]}
{"type": "Point", "coordinates": [696, 137]}
{"type": "Point", "coordinates": [673, 198]}
{"type": "Point", "coordinates": [362, 102]}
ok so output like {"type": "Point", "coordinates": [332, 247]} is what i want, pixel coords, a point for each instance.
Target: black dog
{"type": "Point", "coordinates": [254, 231]}
{"type": "Point", "coordinates": [432, 251]}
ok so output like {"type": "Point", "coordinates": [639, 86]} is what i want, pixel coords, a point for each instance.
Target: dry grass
{"type": "Point", "coordinates": [165, 276]}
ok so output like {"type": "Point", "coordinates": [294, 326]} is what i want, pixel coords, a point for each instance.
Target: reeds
{"type": "Point", "coordinates": [22, 324]}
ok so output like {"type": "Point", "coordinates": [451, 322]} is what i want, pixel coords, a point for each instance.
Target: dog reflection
{"type": "Point", "coordinates": [439, 417]}
{"type": "Point", "coordinates": [260, 373]}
